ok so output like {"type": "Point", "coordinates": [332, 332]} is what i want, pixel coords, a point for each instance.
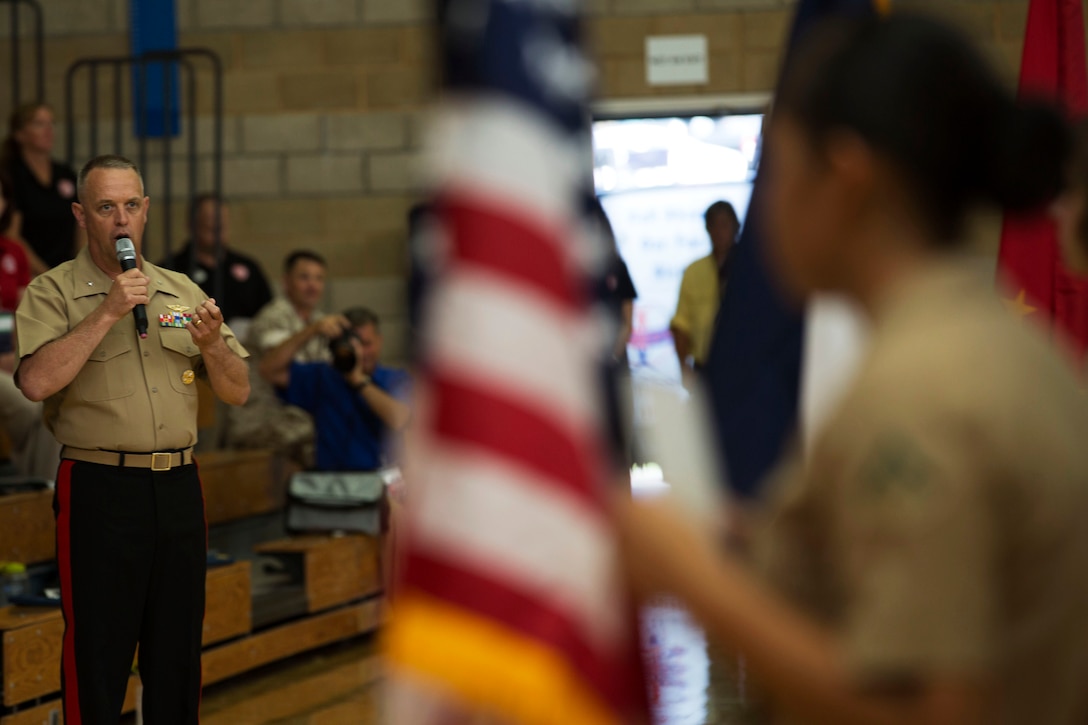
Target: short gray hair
{"type": "Point", "coordinates": [106, 161]}
{"type": "Point", "coordinates": [361, 317]}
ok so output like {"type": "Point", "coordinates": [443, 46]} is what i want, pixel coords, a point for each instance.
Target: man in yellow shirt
{"type": "Point", "coordinates": [702, 287]}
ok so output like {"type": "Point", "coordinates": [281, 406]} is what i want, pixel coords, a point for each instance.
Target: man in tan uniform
{"type": "Point", "coordinates": [131, 534]}
{"type": "Point", "coordinates": [265, 421]}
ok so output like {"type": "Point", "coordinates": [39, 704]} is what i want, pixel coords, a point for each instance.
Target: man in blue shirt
{"type": "Point", "coordinates": [354, 408]}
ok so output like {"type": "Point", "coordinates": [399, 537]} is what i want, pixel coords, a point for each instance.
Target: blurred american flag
{"type": "Point", "coordinates": [511, 606]}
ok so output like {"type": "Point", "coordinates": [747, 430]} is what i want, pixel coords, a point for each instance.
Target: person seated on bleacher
{"type": "Point", "coordinates": [356, 403]}
{"type": "Point", "coordinates": [34, 451]}
{"type": "Point", "coordinates": [265, 421]}
{"type": "Point", "coordinates": [245, 288]}
{"type": "Point", "coordinates": [14, 274]}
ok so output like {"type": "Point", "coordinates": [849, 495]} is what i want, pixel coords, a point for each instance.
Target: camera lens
{"type": "Point", "coordinates": [343, 353]}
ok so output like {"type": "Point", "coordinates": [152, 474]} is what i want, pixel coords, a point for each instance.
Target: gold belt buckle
{"type": "Point", "coordinates": [160, 461]}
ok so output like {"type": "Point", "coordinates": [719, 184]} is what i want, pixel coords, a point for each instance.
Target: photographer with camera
{"type": "Point", "coordinates": [355, 402]}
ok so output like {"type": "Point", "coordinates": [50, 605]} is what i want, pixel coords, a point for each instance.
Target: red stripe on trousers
{"type": "Point", "coordinates": [605, 672]}
{"type": "Point", "coordinates": [511, 430]}
{"type": "Point", "coordinates": [203, 505]}
{"type": "Point", "coordinates": [64, 564]}
{"type": "Point", "coordinates": [481, 235]}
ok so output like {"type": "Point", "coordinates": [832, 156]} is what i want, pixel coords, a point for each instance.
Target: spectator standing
{"type": "Point", "coordinates": [702, 287]}
{"type": "Point", "coordinates": [43, 189]}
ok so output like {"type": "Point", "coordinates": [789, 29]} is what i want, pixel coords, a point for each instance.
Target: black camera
{"type": "Point", "coordinates": [343, 352]}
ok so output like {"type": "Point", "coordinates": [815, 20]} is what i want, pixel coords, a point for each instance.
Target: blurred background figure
{"type": "Point", "coordinates": [1071, 209]}
{"type": "Point", "coordinates": [43, 188]}
{"type": "Point", "coordinates": [14, 263]}
{"type": "Point", "coordinates": [924, 562]}
{"type": "Point", "coordinates": [419, 217]}
{"type": "Point", "coordinates": [207, 258]}
{"type": "Point", "coordinates": [702, 288]}
{"type": "Point", "coordinates": [265, 421]}
{"type": "Point", "coordinates": [34, 451]}
{"type": "Point", "coordinates": [616, 292]}
{"type": "Point", "coordinates": [357, 403]}
{"type": "Point", "coordinates": [1071, 214]}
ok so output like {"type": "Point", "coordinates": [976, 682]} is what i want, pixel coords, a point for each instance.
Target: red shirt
{"type": "Point", "coordinates": [14, 274]}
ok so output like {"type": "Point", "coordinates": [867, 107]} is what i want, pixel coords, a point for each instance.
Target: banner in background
{"type": "Point", "coordinates": [1030, 260]}
{"type": "Point", "coordinates": [754, 369]}
{"type": "Point", "coordinates": [155, 97]}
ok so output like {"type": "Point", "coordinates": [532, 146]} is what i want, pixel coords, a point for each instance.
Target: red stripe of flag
{"type": "Point", "coordinates": [511, 430]}
{"type": "Point", "coordinates": [484, 235]}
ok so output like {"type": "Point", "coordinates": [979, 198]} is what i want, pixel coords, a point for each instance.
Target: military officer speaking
{"type": "Point", "coordinates": [131, 533]}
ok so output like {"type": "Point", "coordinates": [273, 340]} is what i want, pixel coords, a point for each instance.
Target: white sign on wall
{"type": "Point", "coordinates": [676, 60]}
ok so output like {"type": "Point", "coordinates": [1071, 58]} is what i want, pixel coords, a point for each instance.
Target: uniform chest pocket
{"type": "Point", "coordinates": [182, 358]}
{"type": "Point", "coordinates": [111, 371]}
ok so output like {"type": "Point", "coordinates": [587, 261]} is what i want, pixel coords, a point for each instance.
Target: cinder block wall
{"type": "Point", "coordinates": [324, 103]}
{"type": "Point", "coordinates": [746, 37]}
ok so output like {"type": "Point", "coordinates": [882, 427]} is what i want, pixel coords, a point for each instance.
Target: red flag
{"type": "Point", "coordinates": [1030, 257]}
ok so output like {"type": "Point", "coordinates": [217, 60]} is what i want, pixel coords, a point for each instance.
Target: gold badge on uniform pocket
{"type": "Point", "coordinates": [188, 377]}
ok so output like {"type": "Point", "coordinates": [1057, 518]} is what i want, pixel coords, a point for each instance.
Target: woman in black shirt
{"type": "Point", "coordinates": [44, 188]}
{"type": "Point", "coordinates": [615, 290]}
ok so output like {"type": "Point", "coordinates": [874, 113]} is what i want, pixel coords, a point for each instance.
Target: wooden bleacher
{"type": "Point", "coordinates": [337, 577]}
{"type": "Point", "coordinates": [27, 533]}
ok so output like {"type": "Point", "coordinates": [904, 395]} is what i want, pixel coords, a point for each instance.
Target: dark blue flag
{"type": "Point", "coordinates": [754, 367]}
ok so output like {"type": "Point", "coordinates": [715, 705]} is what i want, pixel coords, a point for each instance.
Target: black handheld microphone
{"type": "Point", "coordinates": [126, 255]}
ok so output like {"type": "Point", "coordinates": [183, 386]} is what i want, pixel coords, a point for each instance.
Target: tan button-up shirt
{"type": "Point", "coordinates": [938, 524]}
{"type": "Point", "coordinates": [131, 395]}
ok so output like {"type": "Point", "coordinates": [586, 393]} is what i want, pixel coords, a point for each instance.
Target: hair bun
{"type": "Point", "coordinates": [1027, 159]}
